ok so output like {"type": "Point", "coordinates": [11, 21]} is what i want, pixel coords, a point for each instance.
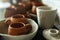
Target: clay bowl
{"type": "Point", "coordinates": [28, 36]}
{"type": "Point", "coordinates": [16, 18]}
{"type": "Point", "coordinates": [34, 5]}
{"type": "Point", "coordinates": [17, 29]}
{"type": "Point", "coordinates": [9, 12]}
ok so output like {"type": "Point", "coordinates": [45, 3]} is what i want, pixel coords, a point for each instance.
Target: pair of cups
{"type": "Point", "coordinates": [18, 25]}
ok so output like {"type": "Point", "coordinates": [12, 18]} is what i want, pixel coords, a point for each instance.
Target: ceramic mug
{"type": "Point", "coordinates": [46, 16]}
{"type": "Point", "coordinates": [16, 18]}
{"type": "Point", "coordinates": [19, 28]}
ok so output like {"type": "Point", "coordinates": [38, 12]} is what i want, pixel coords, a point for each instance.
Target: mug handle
{"type": "Point", "coordinates": [28, 28]}
{"type": "Point", "coordinates": [8, 21]}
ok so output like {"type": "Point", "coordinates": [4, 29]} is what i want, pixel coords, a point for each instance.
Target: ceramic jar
{"type": "Point", "coordinates": [21, 9]}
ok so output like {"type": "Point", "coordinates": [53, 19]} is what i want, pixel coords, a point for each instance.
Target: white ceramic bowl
{"type": "Point", "coordinates": [22, 37]}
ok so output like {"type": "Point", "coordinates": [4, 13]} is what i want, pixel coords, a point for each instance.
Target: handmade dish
{"type": "Point", "coordinates": [5, 36]}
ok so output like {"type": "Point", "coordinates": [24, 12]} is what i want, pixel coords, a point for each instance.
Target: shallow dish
{"type": "Point", "coordinates": [5, 36]}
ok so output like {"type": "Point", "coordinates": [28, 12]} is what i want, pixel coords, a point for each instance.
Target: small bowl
{"type": "Point", "coordinates": [16, 28]}
{"type": "Point", "coordinates": [18, 18]}
{"type": "Point", "coordinates": [28, 36]}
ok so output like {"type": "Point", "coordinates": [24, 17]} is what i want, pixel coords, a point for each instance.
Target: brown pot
{"type": "Point", "coordinates": [26, 5]}
{"type": "Point", "coordinates": [16, 18]}
{"type": "Point", "coordinates": [9, 12]}
{"type": "Point", "coordinates": [28, 28]}
{"type": "Point", "coordinates": [34, 5]}
{"type": "Point", "coordinates": [34, 9]}
{"type": "Point", "coordinates": [20, 8]}
{"type": "Point", "coordinates": [17, 29]}
{"type": "Point", "coordinates": [27, 15]}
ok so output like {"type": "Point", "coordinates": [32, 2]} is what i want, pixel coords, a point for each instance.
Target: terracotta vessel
{"type": "Point", "coordinates": [27, 15]}
{"type": "Point", "coordinates": [16, 18]}
{"type": "Point", "coordinates": [34, 5]}
{"type": "Point", "coordinates": [19, 28]}
{"type": "Point", "coordinates": [9, 12]}
{"type": "Point", "coordinates": [16, 29]}
{"type": "Point", "coordinates": [21, 9]}
{"type": "Point", "coordinates": [26, 6]}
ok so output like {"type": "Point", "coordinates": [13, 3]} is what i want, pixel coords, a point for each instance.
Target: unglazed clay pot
{"type": "Point", "coordinates": [9, 12]}
{"type": "Point", "coordinates": [20, 8]}
{"type": "Point", "coordinates": [16, 29]}
{"type": "Point", "coordinates": [19, 28]}
{"type": "Point", "coordinates": [26, 5]}
{"type": "Point", "coordinates": [27, 15]}
{"type": "Point", "coordinates": [14, 6]}
{"type": "Point", "coordinates": [16, 18]}
{"type": "Point", "coordinates": [34, 5]}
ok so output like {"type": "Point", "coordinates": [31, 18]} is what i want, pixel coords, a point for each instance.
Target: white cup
{"type": "Point", "coordinates": [46, 16]}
